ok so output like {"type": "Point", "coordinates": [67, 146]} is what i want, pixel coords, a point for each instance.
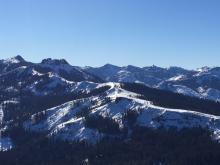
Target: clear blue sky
{"type": "Point", "coordinates": [94, 32]}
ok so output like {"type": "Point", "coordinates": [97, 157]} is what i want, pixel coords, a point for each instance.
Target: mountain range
{"type": "Point", "coordinates": [203, 82]}
{"type": "Point", "coordinates": [72, 103]}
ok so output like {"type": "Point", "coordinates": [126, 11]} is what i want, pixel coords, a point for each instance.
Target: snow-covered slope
{"type": "Point", "coordinates": [69, 121]}
{"type": "Point", "coordinates": [5, 144]}
{"type": "Point", "coordinates": [203, 84]}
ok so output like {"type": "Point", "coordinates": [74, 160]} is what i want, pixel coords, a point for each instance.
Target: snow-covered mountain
{"type": "Point", "coordinates": [87, 104]}
{"type": "Point", "coordinates": [119, 110]}
{"type": "Point", "coordinates": [58, 75]}
{"type": "Point", "coordinates": [46, 77]}
{"type": "Point", "coordinates": [10, 64]}
{"type": "Point", "coordinates": [147, 75]}
{"type": "Point", "coordinates": [202, 83]}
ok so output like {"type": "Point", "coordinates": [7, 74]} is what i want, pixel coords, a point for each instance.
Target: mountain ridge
{"type": "Point", "coordinates": [202, 83]}
{"type": "Point", "coordinates": [89, 104]}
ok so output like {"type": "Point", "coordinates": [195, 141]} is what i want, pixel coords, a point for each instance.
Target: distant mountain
{"type": "Point", "coordinates": [203, 83]}
{"type": "Point", "coordinates": [51, 73]}
{"type": "Point", "coordinates": [12, 63]}
{"type": "Point", "coordinates": [148, 75]}
{"type": "Point", "coordinates": [45, 77]}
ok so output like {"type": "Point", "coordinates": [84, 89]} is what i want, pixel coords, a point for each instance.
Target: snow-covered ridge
{"type": "Point", "coordinates": [174, 79]}
{"type": "Point", "coordinates": [64, 121]}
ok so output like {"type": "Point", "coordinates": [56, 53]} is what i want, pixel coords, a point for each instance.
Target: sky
{"type": "Point", "coordinates": [165, 33]}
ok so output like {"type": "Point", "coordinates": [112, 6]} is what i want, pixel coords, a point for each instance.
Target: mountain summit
{"type": "Point", "coordinates": [51, 61]}
{"type": "Point", "coordinates": [19, 58]}
{"type": "Point", "coordinates": [14, 60]}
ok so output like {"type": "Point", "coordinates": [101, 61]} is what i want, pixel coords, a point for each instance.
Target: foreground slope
{"type": "Point", "coordinates": [113, 114]}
